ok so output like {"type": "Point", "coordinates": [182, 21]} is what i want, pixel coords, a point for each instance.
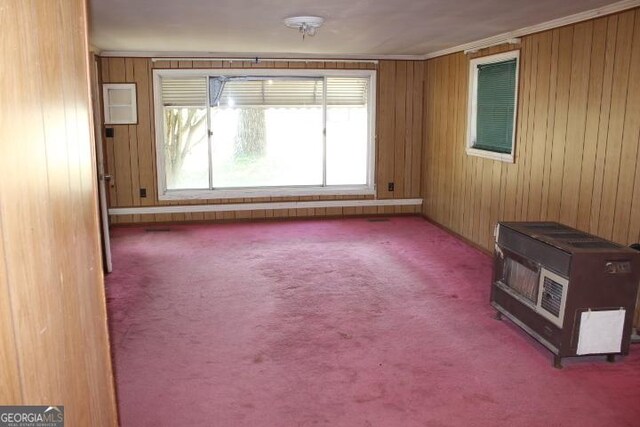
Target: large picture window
{"type": "Point", "coordinates": [493, 94]}
{"type": "Point", "coordinates": [226, 133]}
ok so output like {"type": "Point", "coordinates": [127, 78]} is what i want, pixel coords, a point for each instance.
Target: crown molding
{"type": "Point", "coordinates": [94, 50]}
{"type": "Point", "coordinates": [471, 46]}
{"type": "Point", "coordinates": [549, 25]}
{"type": "Point", "coordinates": [259, 56]}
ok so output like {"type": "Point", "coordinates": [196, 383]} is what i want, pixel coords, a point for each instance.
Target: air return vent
{"type": "Point", "coordinates": [157, 229]}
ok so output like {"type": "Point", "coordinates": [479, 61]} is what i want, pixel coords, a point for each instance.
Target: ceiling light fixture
{"type": "Point", "coordinates": [307, 25]}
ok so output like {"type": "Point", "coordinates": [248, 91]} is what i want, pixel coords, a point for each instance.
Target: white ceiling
{"type": "Point", "coordinates": [358, 27]}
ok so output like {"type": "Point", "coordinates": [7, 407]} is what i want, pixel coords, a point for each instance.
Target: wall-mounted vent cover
{"type": "Point", "coordinates": [377, 219]}
{"type": "Point", "coordinates": [157, 229]}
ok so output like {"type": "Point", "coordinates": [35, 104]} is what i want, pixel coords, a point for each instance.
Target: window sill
{"type": "Point", "coordinates": [503, 157]}
{"type": "Point", "coordinates": [355, 190]}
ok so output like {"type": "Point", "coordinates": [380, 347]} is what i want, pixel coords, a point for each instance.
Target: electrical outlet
{"type": "Point", "coordinates": [391, 186]}
{"type": "Point", "coordinates": [143, 192]}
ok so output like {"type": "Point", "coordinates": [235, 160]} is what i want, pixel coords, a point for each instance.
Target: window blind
{"type": "Point", "coordinates": [184, 92]}
{"type": "Point", "coordinates": [347, 91]}
{"type": "Point", "coordinates": [296, 92]}
{"type": "Point", "coordinates": [271, 92]}
{"type": "Point", "coordinates": [495, 106]}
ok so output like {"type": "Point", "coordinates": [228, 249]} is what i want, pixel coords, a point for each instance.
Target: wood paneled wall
{"type": "Point", "coordinates": [577, 137]}
{"type": "Point", "coordinates": [131, 161]}
{"type": "Point", "coordinates": [53, 332]}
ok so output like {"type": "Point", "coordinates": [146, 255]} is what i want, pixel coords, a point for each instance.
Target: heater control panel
{"type": "Point", "coordinates": [618, 267]}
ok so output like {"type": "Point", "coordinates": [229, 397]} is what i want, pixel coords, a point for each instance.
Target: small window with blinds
{"type": "Point", "coordinates": [493, 92]}
{"type": "Point", "coordinates": [270, 133]}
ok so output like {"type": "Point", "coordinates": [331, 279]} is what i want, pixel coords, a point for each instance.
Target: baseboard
{"type": "Point", "coordinates": [260, 220]}
{"type": "Point", "coordinates": [237, 207]}
{"type": "Point", "coordinates": [458, 236]}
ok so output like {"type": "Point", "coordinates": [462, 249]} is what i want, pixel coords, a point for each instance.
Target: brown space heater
{"type": "Point", "coordinates": [573, 292]}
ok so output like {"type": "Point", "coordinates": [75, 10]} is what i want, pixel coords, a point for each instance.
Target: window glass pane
{"type": "Point", "coordinates": [265, 131]}
{"type": "Point", "coordinates": [119, 97]}
{"type": "Point", "coordinates": [347, 131]}
{"type": "Point", "coordinates": [185, 148]}
{"type": "Point", "coordinates": [495, 104]}
{"type": "Point", "coordinates": [265, 91]}
{"type": "Point", "coordinates": [267, 137]}
{"type": "Point", "coordinates": [120, 114]}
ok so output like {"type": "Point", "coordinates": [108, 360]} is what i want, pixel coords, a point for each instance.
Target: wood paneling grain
{"type": "Point", "coordinates": [603, 128]}
{"type": "Point", "coordinates": [617, 120]}
{"type": "Point", "coordinates": [629, 150]}
{"type": "Point", "coordinates": [576, 122]}
{"type": "Point", "coordinates": [131, 160]}
{"type": "Point", "coordinates": [10, 389]}
{"type": "Point", "coordinates": [385, 130]}
{"type": "Point", "coordinates": [634, 116]}
{"type": "Point", "coordinates": [558, 144]}
{"type": "Point", "coordinates": [590, 135]}
{"type": "Point", "coordinates": [577, 137]}
{"type": "Point", "coordinates": [54, 339]}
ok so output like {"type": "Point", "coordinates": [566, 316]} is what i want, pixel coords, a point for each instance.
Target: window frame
{"type": "Point", "coordinates": [267, 191]}
{"type": "Point", "coordinates": [472, 106]}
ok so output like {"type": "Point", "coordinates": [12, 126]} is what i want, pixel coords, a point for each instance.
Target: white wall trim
{"type": "Point", "coordinates": [474, 45]}
{"type": "Point", "coordinates": [258, 60]}
{"type": "Point", "coordinates": [244, 56]}
{"type": "Point", "coordinates": [263, 206]}
{"type": "Point", "coordinates": [554, 23]}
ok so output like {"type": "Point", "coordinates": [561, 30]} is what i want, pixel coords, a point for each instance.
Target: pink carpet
{"type": "Point", "coordinates": [335, 322]}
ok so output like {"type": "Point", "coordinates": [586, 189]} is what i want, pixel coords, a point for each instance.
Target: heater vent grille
{"type": "Point", "coordinates": [551, 296]}
{"type": "Point", "coordinates": [521, 279]}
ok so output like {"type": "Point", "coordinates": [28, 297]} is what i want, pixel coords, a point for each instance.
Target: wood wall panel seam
{"type": "Point", "coordinates": [603, 129]}
{"type": "Point", "coordinates": [576, 125]}
{"type": "Point", "coordinates": [634, 223]}
{"type": "Point", "coordinates": [629, 143]}
{"type": "Point", "coordinates": [616, 124]}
